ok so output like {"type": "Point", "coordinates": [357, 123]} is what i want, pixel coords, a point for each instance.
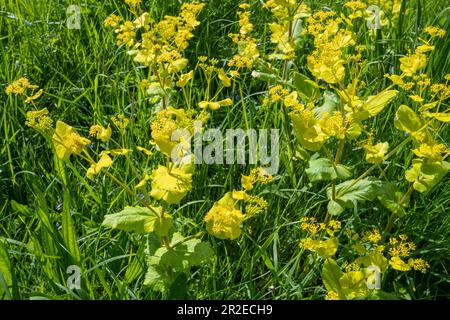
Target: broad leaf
{"type": "Point", "coordinates": [323, 169]}
{"type": "Point", "coordinates": [156, 279]}
{"type": "Point", "coordinates": [308, 89]}
{"type": "Point", "coordinates": [374, 105]}
{"type": "Point", "coordinates": [349, 193]}
{"type": "Point", "coordinates": [407, 120]}
{"type": "Point", "coordinates": [330, 104]}
{"type": "Point", "coordinates": [425, 176]}
{"type": "Point", "coordinates": [182, 255]}
{"type": "Point", "coordinates": [440, 116]}
{"type": "Point", "coordinates": [390, 197]}
{"type": "Point", "coordinates": [331, 273]}
{"type": "Point", "coordinates": [140, 220]}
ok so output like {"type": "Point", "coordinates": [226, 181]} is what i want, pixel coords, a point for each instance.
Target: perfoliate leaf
{"type": "Point", "coordinates": [374, 258]}
{"type": "Point", "coordinates": [407, 120]}
{"type": "Point", "coordinates": [183, 254]}
{"type": "Point", "coordinates": [331, 273]}
{"type": "Point", "coordinates": [139, 220]}
{"type": "Point", "coordinates": [330, 104]}
{"type": "Point", "coordinates": [375, 104]}
{"type": "Point", "coordinates": [327, 248]}
{"type": "Point", "coordinates": [336, 207]}
{"type": "Point", "coordinates": [323, 169]}
{"type": "Point", "coordinates": [353, 284]}
{"type": "Point", "coordinates": [440, 116]}
{"type": "Point", "coordinates": [354, 131]}
{"type": "Point", "coordinates": [307, 88]}
{"type": "Point", "coordinates": [425, 176]}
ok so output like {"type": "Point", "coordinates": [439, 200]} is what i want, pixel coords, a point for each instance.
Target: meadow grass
{"type": "Point", "coordinates": [50, 215]}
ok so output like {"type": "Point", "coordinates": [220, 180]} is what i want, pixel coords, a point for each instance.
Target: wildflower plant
{"type": "Point", "coordinates": [313, 66]}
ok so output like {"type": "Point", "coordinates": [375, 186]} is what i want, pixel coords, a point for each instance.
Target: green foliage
{"type": "Point", "coordinates": [140, 220]}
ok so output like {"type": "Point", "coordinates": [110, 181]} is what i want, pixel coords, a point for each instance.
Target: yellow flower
{"type": "Point", "coordinates": [104, 162]}
{"type": "Point", "coordinates": [332, 295]}
{"type": "Point", "coordinates": [255, 205]}
{"type": "Point", "coordinates": [433, 152]}
{"type": "Point", "coordinates": [184, 78]}
{"type": "Point", "coordinates": [39, 120]}
{"type": "Point", "coordinates": [145, 151]}
{"type": "Point", "coordinates": [419, 264]}
{"type": "Point", "coordinates": [100, 132]}
{"type": "Point", "coordinates": [18, 87]}
{"type": "Point", "coordinates": [34, 96]}
{"type": "Point", "coordinates": [240, 195]}
{"type": "Point", "coordinates": [164, 125]}
{"type": "Point", "coordinates": [376, 153]}
{"type": "Point", "coordinates": [435, 32]}
{"type": "Point", "coordinates": [112, 20]}
{"type": "Point", "coordinates": [226, 81]}
{"type": "Point", "coordinates": [215, 105]}
{"type": "Point", "coordinates": [224, 219]}
{"type": "Point", "coordinates": [413, 63]}
{"type": "Point", "coordinates": [171, 185]}
{"type": "Point", "coordinates": [143, 182]}
{"type": "Point", "coordinates": [67, 141]}
{"type": "Point", "coordinates": [133, 3]}
{"type": "Point", "coordinates": [118, 152]}
{"type": "Point", "coordinates": [121, 122]}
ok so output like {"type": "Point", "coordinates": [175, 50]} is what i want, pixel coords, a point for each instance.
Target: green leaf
{"type": "Point", "coordinates": [336, 207]}
{"type": "Point", "coordinates": [156, 279]}
{"type": "Point", "coordinates": [139, 220]}
{"type": "Point", "coordinates": [184, 255]}
{"type": "Point", "coordinates": [330, 104]}
{"type": "Point", "coordinates": [349, 193]}
{"type": "Point", "coordinates": [407, 120]}
{"type": "Point", "coordinates": [390, 197]}
{"type": "Point", "coordinates": [374, 258]}
{"type": "Point", "coordinates": [327, 248]}
{"type": "Point", "coordinates": [353, 284]}
{"type": "Point", "coordinates": [5, 271]}
{"type": "Point", "coordinates": [23, 209]}
{"type": "Point", "coordinates": [354, 131]}
{"type": "Point", "coordinates": [425, 175]}
{"type": "Point", "coordinates": [331, 273]}
{"type": "Point", "coordinates": [375, 104]}
{"type": "Point", "coordinates": [308, 89]}
{"type": "Point", "coordinates": [323, 169]}
{"type": "Point", "coordinates": [381, 295]}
